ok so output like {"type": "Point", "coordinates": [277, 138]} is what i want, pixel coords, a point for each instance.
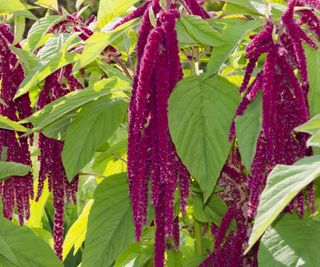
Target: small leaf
{"type": "Point", "coordinates": [77, 232]}
{"type": "Point", "coordinates": [292, 241]}
{"type": "Point", "coordinates": [200, 115]}
{"type": "Point", "coordinates": [6, 123]}
{"type": "Point", "coordinates": [152, 17]}
{"type": "Point", "coordinates": [110, 226]}
{"type": "Point", "coordinates": [283, 184]}
{"type": "Point", "coordinates": [94, 125]}
{"type": "Point", "coordinates": [8, 169]}
{"type": "Point", "coordinates": [248, 127]}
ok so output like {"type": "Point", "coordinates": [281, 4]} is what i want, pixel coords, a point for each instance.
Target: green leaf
{"type": "Point", "coordinates": [37, 208]}
{"type": "Point", "coordinates": [313, 63]}
{"type": "Point", "coordinates": [245, 7]}
{"type": "Point", "coordinates": [311, 127]}
{"type": "Point", "coordinates": [94, 125]}
{"type": "Point", "coordinates": [39, 29]}
{"type": "Point", "coordinates": [111, 9]}
{"type": "Point", "coordinates": [42, 71]}
{"type": "Point", "coordinates": [23, 248]}
{"type": "Point", "coordinates": [28, 60]}
{"type": "Point", "coordinates": [283, 184]}
{"type": "Point", "coordinates": [234, 31]}
{"type": "Point", "coordinates": [292, 241]}
{"type": "Point", "coordinates": [15, 6]}
{"type": "Point", "coordinates": [212, 211]}
{"type": "Point", "coordinates": [58, 129]}
{"type": "Point", "coordinates": [51, 4]}
{"type": "Point", "coordinates": [68, 103]}
{"type": "Point", "coordinates": [98, 42]}
{"type": "Point", "coordinates": [200, 115]}
{"type": "Point", "coordinates": [248, 127]}
{"type": "Point", "coordinates": [110, 226]}
{"type": "Point", "coordinates": [77, 232]}
{"type": "Point", "coordinates": [200, 31]}
{"type": "Point", "coordinates": [19, 27]}
{"type": "Point", "coordinates": [8, 169]}
{"type": "Point", "coordinates": [6, 123]}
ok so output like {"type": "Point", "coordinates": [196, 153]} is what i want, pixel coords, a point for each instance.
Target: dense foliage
{"type": "Point", "coordinates": [159, 133]}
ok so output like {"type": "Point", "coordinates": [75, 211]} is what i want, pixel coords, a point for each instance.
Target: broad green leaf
{"type": "Point", "coordinates": [200, 115]}
{"type": "Point", "coordinates": [8, 169]}
{"type": "Point", "coordinates": [110, 226]}
{"type": "Point", "coordinates": [42, 71]}
{"type": "Point", "coordinates": [248, 127]}
{"type": "Point", "coordinates": [313, 63]}
{"type": "Point", "coordinates": [51, 4]}
{"type": "Point", "coordinates": [7, 254]}
{"type": "Point", "coordinates": [39, 29]}
{"type": "Point", "coordinates": [201, 31]}
{"type": "Point", "coordinates": [98, 42]}
{"type": "Point", "coordinates": [26, 249]}
{"type": "Point", "coordinates": [68, 103]}
{"type": "Point", "coordinates": [292, 241]}
{"type": "Point", "coordinates": [94, 125]}
{"type": "Point", "coordinates": [77, 232]}
{"type": "Point", "coordinates": [283, 184]}
{"type": "Point", "coordinates": [6, 123]}
{"type": "Point", "coordinates": [111, 9]}
{"type": "Point", "coordinates": [234, 31]}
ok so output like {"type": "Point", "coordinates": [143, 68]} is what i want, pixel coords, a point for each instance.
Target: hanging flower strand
{"type": "Point", "coordinates": [16, 191]}
{"type": "Point", "coordinates": [57, 85]}
{"type": "Point", "coordinates": [151, 154]}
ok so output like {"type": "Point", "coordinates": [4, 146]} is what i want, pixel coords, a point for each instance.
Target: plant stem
{"type": "Point", "coordinates": [198, 238]}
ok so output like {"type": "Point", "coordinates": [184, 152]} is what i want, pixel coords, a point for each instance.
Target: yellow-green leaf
{"type": "Point", "coordinates": [77, 232]}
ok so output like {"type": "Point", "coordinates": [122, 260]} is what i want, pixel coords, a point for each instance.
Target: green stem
{"type": "Point", "coordinates": [198, 238]}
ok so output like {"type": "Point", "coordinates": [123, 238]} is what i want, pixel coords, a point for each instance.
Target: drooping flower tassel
{"type": "Point", "coordinates": [151, 153]}
{"type": "Point", "coordinates": [15, 191]}
{"type": "Point", "coordinates": [51, 166]}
